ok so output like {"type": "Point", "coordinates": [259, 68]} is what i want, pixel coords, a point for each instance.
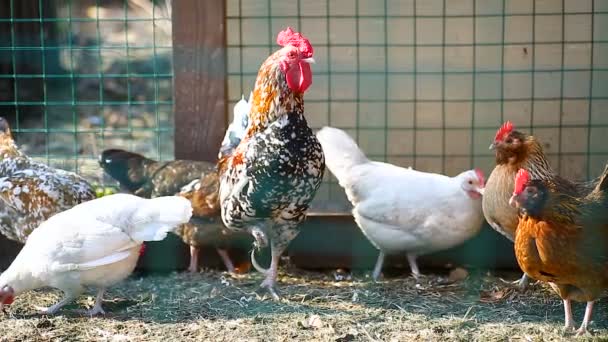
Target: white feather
{"type": "Point", "coordinates": [236, 130]}
{"type": "Point", "coordinates": [401, 209]}
{"type": "Point", "coordinates": [95, 243]}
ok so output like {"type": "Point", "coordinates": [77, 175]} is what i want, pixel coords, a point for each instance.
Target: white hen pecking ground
{"type": "Point", "coordinates": [323, 306]}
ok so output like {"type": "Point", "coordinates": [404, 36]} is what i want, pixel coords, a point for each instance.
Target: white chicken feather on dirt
{"type": "Point", "coordinates": [401, 209]}
{"type": "Point", "coordinates": [96, 243]}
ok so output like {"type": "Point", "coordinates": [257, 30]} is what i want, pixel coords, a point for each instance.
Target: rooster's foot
{"type": "Point", "coordinates": [269, 289]}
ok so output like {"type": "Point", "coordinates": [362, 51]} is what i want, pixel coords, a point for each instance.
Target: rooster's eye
{"type": "Point", "coordinates": [509, 140]}
{"type": "Point", "coordinates": [291, 54]}
{"type": "Point", "coordinates": [470, 182]}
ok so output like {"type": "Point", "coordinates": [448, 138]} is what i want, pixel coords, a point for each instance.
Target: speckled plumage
{"type": "Point", "coordinates": [31, 192]}
{"type": "Point", "coordinates": [197, 181]}
{"type": "Point", "coordinates": [268, 182]}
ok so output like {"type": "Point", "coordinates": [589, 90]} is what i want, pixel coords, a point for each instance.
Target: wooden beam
{"type": "Point", "coordinates": [199, 65]}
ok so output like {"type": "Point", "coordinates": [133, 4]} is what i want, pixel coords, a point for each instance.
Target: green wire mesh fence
{"type": "Point", "coordinates": [420, 83]}
{"type": "Point", "coordinates": [425, 83]}
{"type": "Point", "coordinates": [79, 76]}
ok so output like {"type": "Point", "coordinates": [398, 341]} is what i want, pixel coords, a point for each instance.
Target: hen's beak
{"type": "Point", "coordinates": [492, 146]}
{"type": "Point", "coordinates": [309, 60]}
{"type": "Point", "coordinates": [481, 190]}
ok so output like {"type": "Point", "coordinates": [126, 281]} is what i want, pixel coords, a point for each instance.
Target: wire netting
{"type": "Point", "coordinates": [426, 83]}
{"type": "Point", "coordinates": [80, 76]}
{"type": "Point", "coordinates": [422, 83]}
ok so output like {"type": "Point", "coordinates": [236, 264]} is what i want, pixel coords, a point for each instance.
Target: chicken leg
{"type": "Point", "coordinates": [193, 268]}
{"type": "Point", "coordinates": [226, 259]}
{"type": "Point", "coordinates": [378, 267]}
{"type": "Point", "coordinates": [523, 282]}
{"type": "Point", "coordinates": [269, 283]}
{"type": "Point", "coordinates": [586, 320]}
{"type": "Point", "coordinates": [67, 298]}
{"type": "Point", "coordinates": [411, 259]}
{"type": "Point", "coordinates": [97, 309]}
{"type": "Point", "coordinates": [568, 315]}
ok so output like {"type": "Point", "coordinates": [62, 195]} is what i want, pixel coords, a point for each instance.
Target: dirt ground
{"type": "Point", "coordinates": [329, 306]}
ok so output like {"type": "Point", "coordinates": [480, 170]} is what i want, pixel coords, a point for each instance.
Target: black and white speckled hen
{"type": "Point", "coordinates": [269, 180]}
{"type": "Point", "coordinates": [30, 191]}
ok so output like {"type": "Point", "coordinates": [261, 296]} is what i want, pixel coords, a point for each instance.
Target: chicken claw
{"type": "Point", "coordinates": [268, 285]}
{"type": "Point", "coordinates": [97, 309]}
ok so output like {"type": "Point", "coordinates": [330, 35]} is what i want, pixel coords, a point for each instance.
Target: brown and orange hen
{"type": "Point", "coordinates": [562, 239]}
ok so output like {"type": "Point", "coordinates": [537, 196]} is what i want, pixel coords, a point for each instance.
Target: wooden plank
{"type": "Point", "coordinates": [199, 64]}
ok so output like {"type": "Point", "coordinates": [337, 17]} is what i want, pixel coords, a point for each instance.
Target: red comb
{"type": "Point", "coordinates": [505, 129]}
{"type": "Point", "coordinates": [480, 176]}
{"type": "Point", "coordinates": [289, 37]}
{"type": "Point", "coordinates": [521, 180]}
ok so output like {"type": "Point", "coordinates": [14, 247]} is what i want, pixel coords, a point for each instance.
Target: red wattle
{"type": "Point", "coordinates": [305, 76]}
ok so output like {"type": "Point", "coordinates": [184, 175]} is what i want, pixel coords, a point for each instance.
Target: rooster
{"type": "Point", "coordinates": [96, 244]}
{"type": "Point", "coordinates": [515, 150]}
{"type": "Point", "coordinates": [269, 180]}
{"type": "Point", "coordinates": [420, 213]}
{"type": "Point", "coordinates": [563, 239]}
{"type": "Point", "coordinates": [30, 191]}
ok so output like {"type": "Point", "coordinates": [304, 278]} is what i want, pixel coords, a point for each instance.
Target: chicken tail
{"type": "Point", "coordinates": [602, 184]}
{"type": "Point", "coordinates": [341, 151]}
{"type": "Point", "coordinates": [156, 217]}
{"type": "Point", "coordinates": [238, 127]}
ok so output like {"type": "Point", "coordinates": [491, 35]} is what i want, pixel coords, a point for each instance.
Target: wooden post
{"type": "Point", "coordinates": [199, 64]}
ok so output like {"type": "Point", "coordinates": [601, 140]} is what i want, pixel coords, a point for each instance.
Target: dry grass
{"type": "Point", "coordinates": [217, 306]}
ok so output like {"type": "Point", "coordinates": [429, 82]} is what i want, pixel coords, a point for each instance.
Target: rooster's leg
{"type": "Point", "coordinates": [97, 309]}
{"type": "Point", "coordinates": [411, 259]}
{"type": "Point", "coordinates": [568, 315]}
{"type": "Point", "coordinates": [378, 267]}
{"type": "Point", "coordinates": [193, 259]}
{"type": "Point", "coordinates": [588, 311]}
{"type": "Point", "coordinates": [226, 259]}
{"type": "Point", "coordinates": [270, 281]}
{"type": "Point", "coordinates": [68, 297]}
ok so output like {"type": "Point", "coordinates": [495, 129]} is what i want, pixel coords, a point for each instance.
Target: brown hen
{"type": "Point", "coordinates": [563, 239]}
{"type": "Point", "coordinates": [515, 150]}
{"type": "Point", "coordinates": [195, 180]}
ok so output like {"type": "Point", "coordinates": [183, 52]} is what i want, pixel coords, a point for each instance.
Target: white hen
{"type": "Point", "coordinates": [95, 243]}
{"type": "Point", "coordinates": [404, 210]}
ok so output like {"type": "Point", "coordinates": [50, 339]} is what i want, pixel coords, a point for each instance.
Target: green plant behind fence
{"type": "Point", "coordinates": [81, 76]}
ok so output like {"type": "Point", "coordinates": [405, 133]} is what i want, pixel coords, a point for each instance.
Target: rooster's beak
{"type": "Point", "coordinates": [481, 191]}
{"type": "Point", "coordinates": [309, 60]}
{"type": "Point", "coordinates": [492, 146]}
